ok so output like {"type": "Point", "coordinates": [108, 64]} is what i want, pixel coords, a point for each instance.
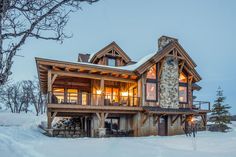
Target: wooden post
{"type": "Point", "coordinates": [49, 86]}
{"type": "Point", "coordinates": [102, 89]}
{"type": "Point", "coordinates": [49, 116]}
{"type": "Point", "coordinates": [102, 120]}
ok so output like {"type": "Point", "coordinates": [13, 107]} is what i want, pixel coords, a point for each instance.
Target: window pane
{"type": "Point", "coordinates": [115, 94]}
{"type": "Point", "coordinates": [58, 95]}
{"type": "Point", "coordinates": [84, 98]}
{"type": "Point", "coordinates": [152, 72]}
{"type": "Point", "coordinates": [151, 91]}
{"type": "Point", "coordinates": [108, 93]}
{"type": "Point", "coordinates": [182, 94]}
{"type": "Point", "coordinates": [72, 95]}
{"type": "Point", "coordinates": [115, 124]}
{"type": "Point", "coordinates": [183, 78]}
{"type": "Point", "coordinates": [111, 62]}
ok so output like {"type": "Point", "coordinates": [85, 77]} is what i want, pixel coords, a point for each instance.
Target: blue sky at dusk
{"type": "Point", "coordinates": [205, 28]}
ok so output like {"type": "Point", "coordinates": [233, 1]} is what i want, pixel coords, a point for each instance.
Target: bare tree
{"type": "Point", "coordinates": [22, 95]}
{"type": "Point", "coordinates": [23, 19]}
{"type": "Point", "coordinates": [36, 98]}
{"type": "Point", "coordinates": [12, 97]}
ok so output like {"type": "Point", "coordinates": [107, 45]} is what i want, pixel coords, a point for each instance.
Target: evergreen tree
{"type": "Point", "coordinates": [220, 112]}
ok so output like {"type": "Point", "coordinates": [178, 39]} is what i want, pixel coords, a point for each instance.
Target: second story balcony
{"type": "Point", "coordinates": [89, 99]}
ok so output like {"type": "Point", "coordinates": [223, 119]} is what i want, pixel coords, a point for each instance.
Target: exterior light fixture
{"type": "Point", "coordinates": [124, 93]}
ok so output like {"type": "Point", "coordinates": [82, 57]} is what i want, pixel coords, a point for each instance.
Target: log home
{"type": "Point", "coordinates": [111, 94]}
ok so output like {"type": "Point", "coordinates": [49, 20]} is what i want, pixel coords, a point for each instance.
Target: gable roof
{"type": "Point", "coordinates": [106, 49]}
{"type": "Point", "coordinates": [147, 61]}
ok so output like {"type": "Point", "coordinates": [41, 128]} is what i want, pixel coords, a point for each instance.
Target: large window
{"type": "Point", "coordinates": [112, 94]}
{"type": "Point", "coordinates": [112, 124]}
{"type": "Point", "coordinates": [151, 91]}
{"type": "Point", "coordinates": [183, 88]}
{"type": "Point", "coordinates": [151, 84]}
{"type": "Point", "coordinates": [84, 98]}
{"type": "Point", "coordinates": [58, 95]}
{"type": "Point", "coordinates": [111, 62]}
{"type": "Point", "coordinates": [72, 96]}
{"type": "Point", "coordinates": [152, 73]}
{"type": "Point", "coordinates": [183, 94]}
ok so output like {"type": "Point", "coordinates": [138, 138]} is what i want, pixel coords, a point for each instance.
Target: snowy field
{"type": "Point", "coordinates": [20, 137]}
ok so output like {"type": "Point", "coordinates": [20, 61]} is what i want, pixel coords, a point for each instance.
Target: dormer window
{"type": "Point", "coordinates": [111, 62]}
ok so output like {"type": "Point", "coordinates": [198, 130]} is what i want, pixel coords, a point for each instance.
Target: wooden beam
{"type": "Point", "coordinates": [183, 120]}
{"type": "Point", "coordinates": [173, 121]}
{"type": "Point", "coordinates": [54, 115]}
{"type": "Point", "coordinates": [106, 115]}
{"type": "Point", "coordinates": [144, 118]}
{"type": "Point", "coordinates": [54, 78]}
{"type": "Point", "coordinates": [50, 85]}
{"type": "Point", "coordinates": [98, 115]}
{"type": "Point", "coordinates": [181, 66]}
{"type": "Point", "coordinates": [92, 76]}
{"type": "Point", "coordinates": [156, 119]}
{"type": "Point", "coordinates": [102, 125]}
{"type": "Point", "coordinates": [190, 79]}
{"type": "Point", "coordinates": [49, 117]}
{"type": "Point", "coordinates": [43, 67]}
{"type": "Point", "coordinates": [203, 119]}
{"type": "Point", "coordinates": [160, 70]}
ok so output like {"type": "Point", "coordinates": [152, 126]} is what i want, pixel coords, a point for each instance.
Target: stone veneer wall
{"type": "Point", "coordinates": [169, 84]}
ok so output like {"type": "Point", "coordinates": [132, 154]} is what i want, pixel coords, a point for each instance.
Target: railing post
{"type": "Point", "coordinates": [50, 86]}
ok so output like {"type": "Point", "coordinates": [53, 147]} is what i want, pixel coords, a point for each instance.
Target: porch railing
{"type": "Point", "coordinates": [201, 105]}
{"type": "Point", "coordinates": [93, 99]}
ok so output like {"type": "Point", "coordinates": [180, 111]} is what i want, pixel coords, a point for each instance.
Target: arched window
{"type": "Point", "coordinates": [183, 88]}
{"type": "Point", "coordinates": [151, 84]}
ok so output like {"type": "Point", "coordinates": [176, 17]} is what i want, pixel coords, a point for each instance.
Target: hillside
{"type": "Point", "coordinates": [19, 136]}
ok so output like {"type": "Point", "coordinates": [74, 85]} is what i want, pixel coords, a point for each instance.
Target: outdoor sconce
{"type": "Point", "coordinates": [124, 93]}
{"type": "Point", "coordinates": [99, 92]}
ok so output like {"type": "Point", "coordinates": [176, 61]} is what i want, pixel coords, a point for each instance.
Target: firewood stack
{"type": "Point", "coordinates": [68, 127]}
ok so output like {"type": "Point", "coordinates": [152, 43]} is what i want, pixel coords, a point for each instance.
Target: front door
{"type": "Point", "coordinates": [163, 126]}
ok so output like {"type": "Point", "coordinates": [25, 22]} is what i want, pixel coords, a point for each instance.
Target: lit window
{"type": "Point", "coordinates": [72, 96]}
{"type": "Point", "coordinates": [58, 95]}
{"type": "Point", "coordinates": [112, 94]}
{"type": "Point", "coordinates": [151, 84]}
{"type": "Point", "coordinates": [182, 94]}
{"type": "Point", "coordinates": [111, 62]}
{"type": "Point", "coordinates": [152, 72]}
{"type": "Point", "coordinates": [182, 78]}
{"type": "Point", "coordinates": [151, 91]}
{"type": "Point", "coordinates": [84, 98]}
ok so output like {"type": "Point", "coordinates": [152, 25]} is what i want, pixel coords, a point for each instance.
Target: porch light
{"type": "Point", "coordinates": [99, 92]}
{"type": "Point", "coordinates": [193, 119]}
{"type": "Point", "coordinates": [124, 93]}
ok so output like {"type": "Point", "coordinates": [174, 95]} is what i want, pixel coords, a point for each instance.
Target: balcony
{"type": "Point", "coordinates": [201, 105]}
{"type": "Point", "coordinates": [89, 99]}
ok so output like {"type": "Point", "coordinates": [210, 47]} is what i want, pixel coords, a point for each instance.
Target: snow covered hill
{"type": "Point", "coordinates": [19, 136]}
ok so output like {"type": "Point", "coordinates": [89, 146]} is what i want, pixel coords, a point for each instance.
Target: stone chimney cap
{"type": "Point", "coordinates": [165, 40]}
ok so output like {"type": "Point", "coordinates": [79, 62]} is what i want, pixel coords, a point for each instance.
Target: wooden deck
{"type": "Point", "coordinates": [73, 108]}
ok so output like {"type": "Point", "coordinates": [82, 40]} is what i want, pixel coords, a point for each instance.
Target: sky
{"type": "Point", "coordinates": [205, 28]}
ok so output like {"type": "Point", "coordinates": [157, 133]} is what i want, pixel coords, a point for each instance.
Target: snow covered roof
{"type": "Point", "coordinates": [133, 67]}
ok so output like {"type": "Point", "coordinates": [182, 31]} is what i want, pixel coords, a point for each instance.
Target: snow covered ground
{"type": "Point", "coordinates": [19, 136]}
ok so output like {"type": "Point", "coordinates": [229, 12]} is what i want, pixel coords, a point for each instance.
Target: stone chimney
{"type": "Point", "coordinates": [165, 40]}
{"type": "Point", "coordinates": [83, 57]}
